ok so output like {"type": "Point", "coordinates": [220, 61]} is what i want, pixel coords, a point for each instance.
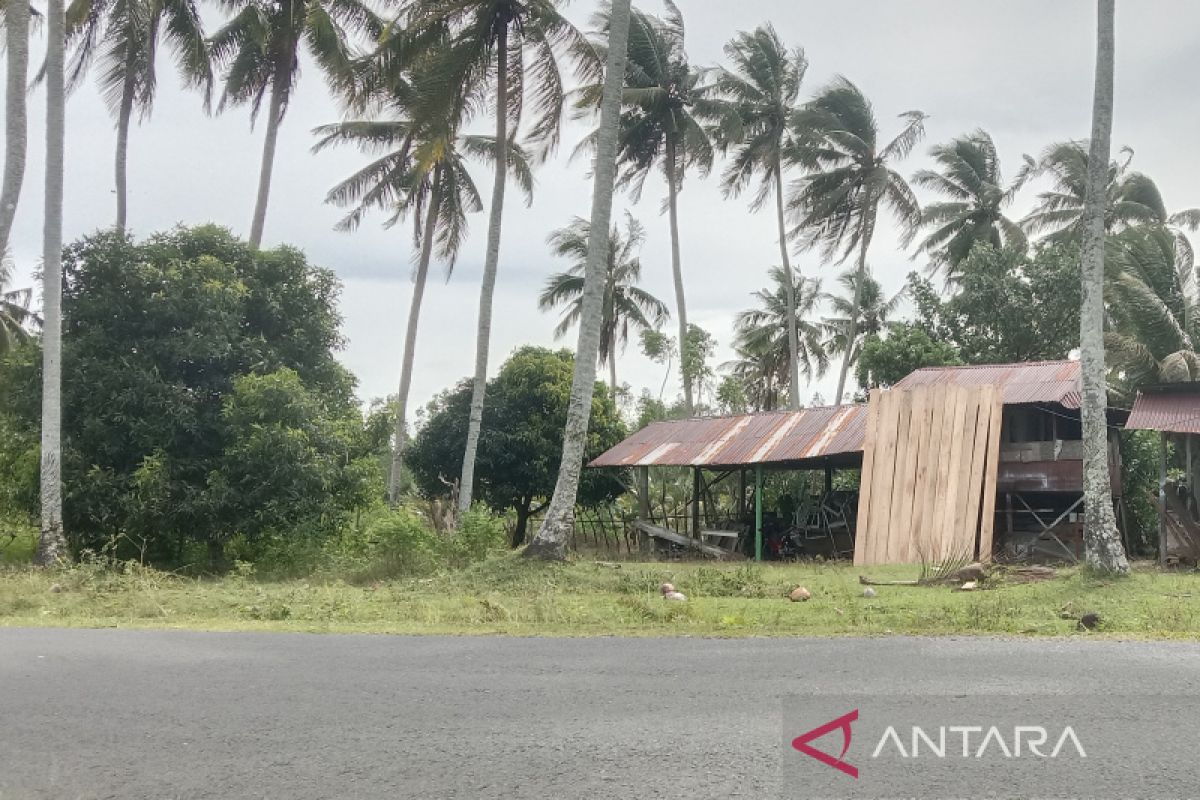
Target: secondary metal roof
{"type": "Point", "coordinates": [1032, 382]}
{"type": "Point", "coordinates": [1171, 409]}
{"type": "Point", "coordinates": [777, 437]}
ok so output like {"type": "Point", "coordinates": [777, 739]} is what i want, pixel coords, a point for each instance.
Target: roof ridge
{"type": "Point", "coordinates": [1013, 365]}
{"type": "Point", "coordinates": [757, 413]}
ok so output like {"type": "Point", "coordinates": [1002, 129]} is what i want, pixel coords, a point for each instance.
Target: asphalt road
{"type": "Point", "coordinates": [163, 714]}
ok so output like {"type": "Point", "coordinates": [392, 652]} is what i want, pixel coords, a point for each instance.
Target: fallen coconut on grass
{"type": "Point", "coordinates": [669, 593]}
{"type": "Point", "coordinates": [800, 595]}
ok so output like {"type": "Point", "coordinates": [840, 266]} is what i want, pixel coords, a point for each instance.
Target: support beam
{"type": "Point", "coordinates": [828, 478]}
{"type": "Point", "coordinates": [758, 513]}
{"type": "Point", "coordinates": [643, 478]}
{"type": "Point", "coordinates": [741, 502]}
{"type": "Point", "coordinates": [696, 502]}
{"type": "Point", "coordinates": [1162, 499]}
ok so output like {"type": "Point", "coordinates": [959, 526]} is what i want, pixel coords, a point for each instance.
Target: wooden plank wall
{"type": "Point", "coordinates": [929, 474]}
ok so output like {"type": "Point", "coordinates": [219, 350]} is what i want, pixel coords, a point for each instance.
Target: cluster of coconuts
{"type": "Point", "coordinates": [669, 593]}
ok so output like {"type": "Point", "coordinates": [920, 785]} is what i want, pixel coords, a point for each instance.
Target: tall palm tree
{"type": "Point", "coordinates": [969, 176]}
{"type": "Point", "coordinates": [663, 125]}
{"type": "Point", "coordinates": [1102, 541]}
{"type": "Point", "coordinates": [16, 42]}
{"type": "Point", "coordinates": [625, 306]}
{"type": "Point", "coordinates": [760, 95]}
{"type": "Point", "coordinates": [765, 330]}
{"type": "Point", "coordinates": [551, 540]}
{"type": "Point", "coordinates": [863, 310]}
{"type": "Point", "coordinates": [258, 51]}
{"type": "Point", "coordinates": [421, 170]}
{"type": "Point", "coordinates": [15, 315]}
{"type": "Point", "coordinates": [513, 47]}
{"type": "Point", "coordinates": [125, 36]}
{"type": "Point", "coordinates": [1130, 198]}
{"type": "Point", "coordinates": [762, 370]}
{"type": "Point", "coordinates": [52, 543]}
{"type": "Point", "coordinates": [849, 175]}
{"type": "Point", "coordinates": [1152, 308]}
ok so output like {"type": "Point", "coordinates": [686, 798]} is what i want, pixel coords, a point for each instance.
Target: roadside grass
{"type": "Point", "coordinates": [508, 595]}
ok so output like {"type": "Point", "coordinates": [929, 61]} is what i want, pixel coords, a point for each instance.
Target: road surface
{"type": "Point", "coordinates": [168, 714]}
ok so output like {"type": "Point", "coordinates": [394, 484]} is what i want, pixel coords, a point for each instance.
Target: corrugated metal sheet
{"type": "Point", "coordinates": [1173, 412]}
{"type": "Point", "coordinates": [772, 438]}
{"type": "Point", "coordinates": [1033, 382]}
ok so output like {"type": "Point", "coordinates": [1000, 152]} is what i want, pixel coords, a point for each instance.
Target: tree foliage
{"type": "Point", "coordinates": [202, 396]}
{"type": "Point", "coordinates": [885, 361]}
{"type": "Point", "coordinates": [520, 444]}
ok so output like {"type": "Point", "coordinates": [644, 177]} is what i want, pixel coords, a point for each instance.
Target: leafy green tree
{"type": "Point", "coordinates": [190, 362]}
{"type": "Point", "coordinates": [762, 374]}
{"type": "Point", "coordinates": [694, 365]}
{"type": "Point", "coordinates": [760, 95]}
{"type": "Point", "coordinates": [663, 125]}
{"type": "Point", "coordinates": [521, 445]}
{"type": "Point", "coordinates": [969, 177]}
{"type": "Point", "coordinates": [1153, 308]}
{"type": "Point", "coordinates": [258, 52]}
{"type": "Point", "coordinates": [423, 172]}
{"type": "Point", "coordinates": [864, 310]}
{"type": "Point", "coordinates": [1010, 305]}
{"type": "Point", "coordinates": [516, 48]}
{"type": "Point", "coordinates": [766, 331]}
{"type": "Point", "coordinates": [15, 316]}
{"type": "Point", "coordinates": [661, 349]}
{"type": "Point", "coordinates": [125, 36]}
{"type": "Point", "coordinates": [1130, 198]}
{"type": "Point", "coordinates": [731, 396]}
{"type": "Point", "coordinates": [625, 306]}
{"type": "Point", "coordinates": [849, 174]}
{"type": "Point", "coordinates": [885, 361]}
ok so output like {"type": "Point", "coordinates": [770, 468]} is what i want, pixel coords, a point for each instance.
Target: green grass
{"type": "Point", "coordinates": [507, 595]}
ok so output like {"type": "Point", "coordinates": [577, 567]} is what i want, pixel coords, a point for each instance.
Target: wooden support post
{"type": "Point", "coordinates": [643, 474]}
{"type": "Point", "coordinates": [828, 479]}
{"type": "Point", "coordinates": [741, 502]}
{"type": "Point", "coordinates": [758, 513]}
{"type": "Point", "coordinates": [696, 502]}
{"type": "Point", "coordinates": [1162, 499]}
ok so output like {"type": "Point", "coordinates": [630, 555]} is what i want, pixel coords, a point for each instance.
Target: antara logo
{"type": "Point", "coordinates": [975, 742]}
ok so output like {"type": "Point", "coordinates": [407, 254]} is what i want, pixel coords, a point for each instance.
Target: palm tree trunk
{"type": "Point", "coordinates": [410, 339]}
{"type": "Point", "coordinates": [793, 335]}
{"type": "Point", "coordinates": [124, 115]}
{"type": "Point", "coordinates": [52, 544]}
{"type": "Point", "coordinates": [612, 375]}
{"type": "Point", "coordinates": [1102, 542]}
{"type": "Point", "coordinates": [491, 264]}
{"type": "Point", "coordinates": [274, 118]}
{"type": "Point", "coordinates": [677, 268]}
{"type": "Point", "coordinates": [864, 244]}
{"type": "Point", "coordinates": [16, 35]}
{"type": "Point", "coordinates": [551, 539]}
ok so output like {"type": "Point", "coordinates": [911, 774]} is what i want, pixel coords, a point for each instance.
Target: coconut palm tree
{"type": "Point", "coordinates": [760, 95]}
{"type": "Point", "coordinates": [16, 42]}
{"type": "Point", "coordinates": [513, 47]}
{"type": "Point", "coordinates": [863, 310]}
{"type": "Point", "coordinates": [765, 330]}
{"type": "Point", "coordinates": [969, 177]}
{"type": "Point", "coordinates": [258, 52]}
{"type": "Point", "coordinates": [762, 371]}
{"type": "Point", "coordinates": [52, 543]}
{"type": "Point", "coordinates": [625, 306]}
{"type": "Point", "coordinates": [662, 126]}
{"type": "Point", "coordinates": [15, 316]}
{"type": "Point", "coordinates": [125, 36]}
{"type": "Point", "coordinates": [422, 170]}
{"type": "Point", "coordinates": [849, 176]}
{"type": "Point", "coordinates": [1102, 541]}
{"type": "Point", "coordinates": [550, 543]}
{"type": "Point", "coordinates": [1130, 198]}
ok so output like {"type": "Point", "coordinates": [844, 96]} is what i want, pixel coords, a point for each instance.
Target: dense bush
{"type": "Point", "coordinates": [202, 400]}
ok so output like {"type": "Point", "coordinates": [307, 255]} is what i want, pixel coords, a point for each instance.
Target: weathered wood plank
{"type": "Point", "coordinates": [925, 535]}
{"type": "Point", "coordinates": [988, 510]}
{"type": "Point", "coordinates": [973, 489]}
{"type": "Point", "coordinates": [884, 475]}
{"type": "Point", "coordinates": [948, 473]}
{"type": "Point", "coordinates": [866, 484]}
{"type": "Point", "coordinates": [668, 535]}
{"type": "Point", "coordinates": [908, 426]}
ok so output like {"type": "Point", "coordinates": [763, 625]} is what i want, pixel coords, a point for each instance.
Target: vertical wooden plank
{"type": "Point", "coordinates": [866, 481]}
{"type": "Point", "coordinates": [964, 529]}
{"type": "Point", "coordinates": [931, 455]}
{"type": "Point", "coordinates": [978, 474]}
{"type": "Point", "coordinates": [988, 513]}
{"type": "Point", "coordinates": [911, 423]}
{"type": "Point", "coordinates": [948, 473]}
{"type": "Point", "coordinates": [885, 471]}
{"type": "Point", "coordinates": [897, 525]}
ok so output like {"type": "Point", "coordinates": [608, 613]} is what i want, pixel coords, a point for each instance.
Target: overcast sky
{"type": "Point", "coordinates": [1021, 69]}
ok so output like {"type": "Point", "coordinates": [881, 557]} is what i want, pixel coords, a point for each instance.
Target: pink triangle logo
{"type": "Point", "coordinates": [842, 723]}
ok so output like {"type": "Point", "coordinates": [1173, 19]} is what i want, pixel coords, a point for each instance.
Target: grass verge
{"type": "Point", "coordinates": [507, 595]}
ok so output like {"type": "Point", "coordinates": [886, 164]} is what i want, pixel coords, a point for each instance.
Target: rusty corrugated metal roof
{"type": "Point", "coordinates": [1171, 411]}
{"type": "Point", "coordinates": [1031, 382]}
{"type": "Point", "coordinates": [769, 438]}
